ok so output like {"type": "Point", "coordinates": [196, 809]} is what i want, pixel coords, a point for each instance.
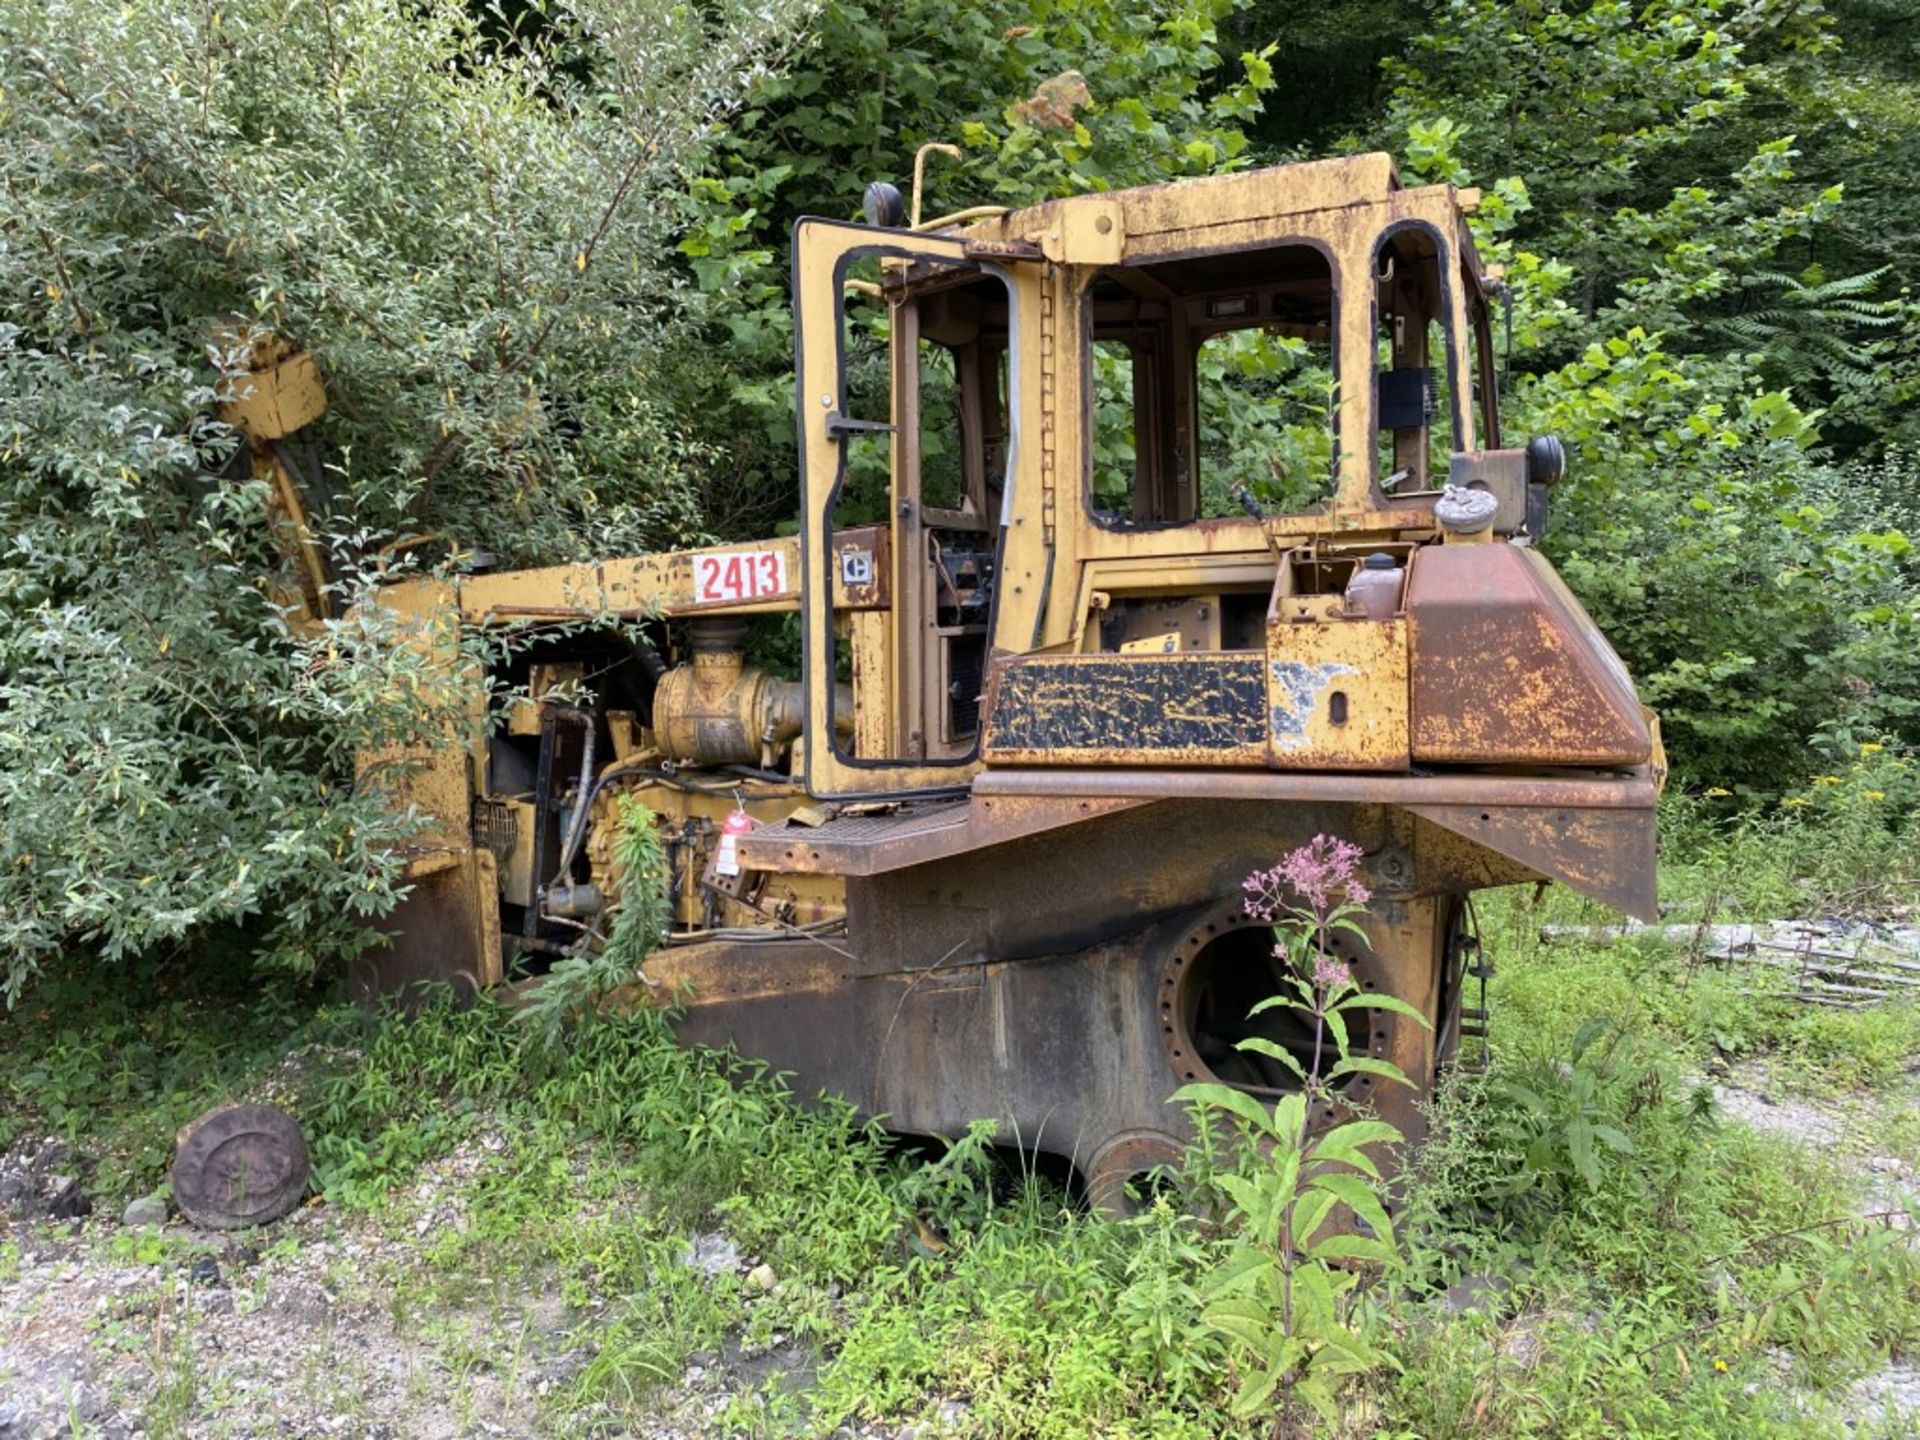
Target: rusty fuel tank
{"type": "Point", "coordinates": [1507, 668]}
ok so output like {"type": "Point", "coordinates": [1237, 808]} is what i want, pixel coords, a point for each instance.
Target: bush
{"type": "Point", "coordinates": [471, 228]}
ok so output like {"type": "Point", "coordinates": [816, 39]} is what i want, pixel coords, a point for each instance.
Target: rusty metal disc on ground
{"type": "Point", "coordinates": [239, 1165]}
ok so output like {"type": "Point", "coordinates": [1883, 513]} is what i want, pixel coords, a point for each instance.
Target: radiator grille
{"type": "Point", "coordinates": [496, 826]}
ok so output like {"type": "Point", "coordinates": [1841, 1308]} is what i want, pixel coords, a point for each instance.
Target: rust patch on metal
{"type": "Point", "coordinates": [1594, 835]}
{"type": "Point", "coordinates": [1508, 669]}
{"type": "Point", "coordinates": [446, 931]}
{"type": "Point", "coordinates": [862, 565]}
{"type": "Point", "coordinates": [1337, 681]}
{"type": "Point", "coordinates": [877, 844]}
{"type": "Point", "coordinates": [1631, 792]}
{"type": "Point", "coordinates": [1125, 1158]}
{"type": "Point", "coordinates": [239, 1165]}
{"type": "Point", "coordinates": [1605, 854]}
{"type": "Point", "coordinates": [1187, 1050]}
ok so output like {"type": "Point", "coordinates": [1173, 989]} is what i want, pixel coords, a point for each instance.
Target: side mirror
{"type": "Point", "coordinates": [883, 207]}
{"type": "Point", "coordinates": [1546, 460]}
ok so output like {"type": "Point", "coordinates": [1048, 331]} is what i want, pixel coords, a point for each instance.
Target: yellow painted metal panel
{"type": "Point", "coordinates": [820, 248]}
{"type": "Point", "coordinates": [1337, 694]}
{"type": "Point", "coordinates": [643, 585]}
{"type": "Point", "coordinates": [274, 402]}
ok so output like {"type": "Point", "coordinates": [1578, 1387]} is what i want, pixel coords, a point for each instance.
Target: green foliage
{"type": "Point", "coordinates": [1289, 1307]}
{"type": "Point", "coordinates": [1581, 1364]}
{"type": "Point", "coordinates": [578, 982]}
{"type": "Point", "coordinates": [955, 1192]}
{"type": "Point", "coordinates": [1607, 110]}
{"type": "Point", "coordinates": [1671, 1272]}
{"type": "Point", "coordinates": [116, 1060]}
{"type": "Point", "coordinates": [1686, 319]}
{"type": "Point", "coordinates": [1563, 1127]}
{"type": "Point", "coordinates": [474, 242]}
{"type": "Point", "coordinates": [1744, 614]}
{"type": "Point", "coordinates": [1845, 843]}
{"type": "Point", "coordinates": [1799, 326]}
{"type": "Point", "coordinates": [1154, 98]}
{"type": "Point", "coordinates": [1264, 418]}
{"type": "Point", "coordinates": [1306, 1210]}
{"type": "Point", "coordinates": [1710, 1282]}
{"type": "Point", "coordinates": [1158, 1308]}
{"type": "Point", "coordinates": [1042, 99]}
{"type": "Point", "coordinates": [1265, 422]}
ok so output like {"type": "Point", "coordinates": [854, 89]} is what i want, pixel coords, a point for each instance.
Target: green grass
{"type": "Point", "coordinates": [1666, 1295]}
{"type": "Point", "coordinates": [120, 1057]}
{"type": "Point", "coordinates": [1689, 1279]}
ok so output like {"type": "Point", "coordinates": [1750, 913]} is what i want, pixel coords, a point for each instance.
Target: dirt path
{"type": "Point", "coordinates": [1854, 1130]}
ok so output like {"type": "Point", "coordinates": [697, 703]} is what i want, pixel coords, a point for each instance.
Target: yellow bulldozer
{"type": "Point", "coordinates": [1067, 674]}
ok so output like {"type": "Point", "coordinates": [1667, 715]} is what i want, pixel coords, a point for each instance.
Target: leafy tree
{"type": "Point", "coordinates": [1682, 158]}
{"type": "Point", "coordinates": [474, 242]}
{"type": "Point", "coordinates": [1661, 331]}
{"type": "Point", "coordinates": [1329, 80]}
{"type": "Point", "coordinates": [1042, 100]}
{"type": "Point", "coordinates": [538, 251]}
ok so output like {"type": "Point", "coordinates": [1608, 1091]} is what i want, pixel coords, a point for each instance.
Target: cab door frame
{"type": "Point", "coordinates": [823, 250]}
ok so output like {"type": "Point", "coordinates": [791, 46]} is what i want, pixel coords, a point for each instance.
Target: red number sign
{"type": "Point", "coordinates": [739, 575]}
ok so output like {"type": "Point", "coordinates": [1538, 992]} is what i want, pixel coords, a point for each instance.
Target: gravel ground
{"type": "Point", "coordinates": [118, 1331]}
{"type": "Point", "coordinates": [1848, 1128]}
{"type": "Point", "coordinates": [1749, 1098]}
{"type": "Point", "coordinates": [306, 1330]}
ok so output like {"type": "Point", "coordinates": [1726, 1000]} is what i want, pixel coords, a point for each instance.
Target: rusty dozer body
{"type": "Point", "coordinates": [1063, 684]}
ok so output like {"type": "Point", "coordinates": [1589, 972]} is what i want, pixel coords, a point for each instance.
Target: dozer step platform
{"type": "Point", "coordinates": [871, 843]}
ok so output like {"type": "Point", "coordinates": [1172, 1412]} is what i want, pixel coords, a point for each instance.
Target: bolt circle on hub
{"type": "Point", "coordinates": [1213, 977]}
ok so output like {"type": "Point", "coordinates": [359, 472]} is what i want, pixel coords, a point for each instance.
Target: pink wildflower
{"type": "Point", "coordinates": [1330, 975]}
{"type": "Point", "coordinates": [1320, 873]}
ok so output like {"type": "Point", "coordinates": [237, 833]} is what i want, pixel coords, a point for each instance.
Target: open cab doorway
{"type": "Point", "coordinates": [907, 355]}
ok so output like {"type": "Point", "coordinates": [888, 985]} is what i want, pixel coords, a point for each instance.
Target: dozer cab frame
{"type": "Point", "coordinates": [1068, 686]}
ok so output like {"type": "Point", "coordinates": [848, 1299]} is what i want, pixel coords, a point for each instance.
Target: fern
{"type": "Point", "coordinates": [1812, 331]}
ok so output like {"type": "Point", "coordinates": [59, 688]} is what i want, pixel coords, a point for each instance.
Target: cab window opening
{"type": "Point", "coordinates": [1113, 439]}
{"type": "Point", "coordinates": [1266, 421]}
{"type": "Point", "coordinates": [1414, 401]}
{"type": "Point", "coordinates": [949, 416]}
{"type": "Point", "coordinates": [943, 481]}
{"type": "Point", "coordinates": [923, 378]}
{"type": "Point", "coordinates": [865, 394]}
{"type": "Point", "coordinates": [1211, 386]}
